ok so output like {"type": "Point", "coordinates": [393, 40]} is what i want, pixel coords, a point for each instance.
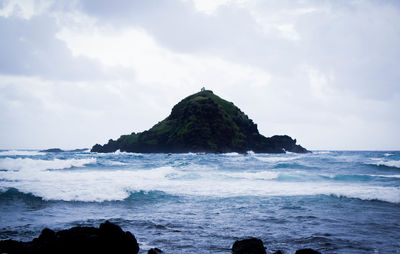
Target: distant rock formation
{"type": "Point", "coordinates": [52, 150]}
{"type": "Point", "coordinates": [202, 122]}
{"type": "Point", "coordinates": [58, 150]}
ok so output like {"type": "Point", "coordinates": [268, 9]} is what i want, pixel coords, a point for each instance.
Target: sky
{"type": "Point", "coordinates": [74, 73]}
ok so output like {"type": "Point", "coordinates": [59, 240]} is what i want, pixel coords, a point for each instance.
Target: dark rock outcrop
{"type": "Point", "coordinates": [108, 238]}
{"type": "Point", "coordinates": [155, 251]}
{"type": "Point", "coordinates": [248, 246]}
{"type": "Point", "coordinates": [307, 251]}
{"type": "Point", "coordinates": [58, 150]}
{"type": "Point", "coordinates": [202, 122]}
{"type": "Point", "coordinates": [52, 150]}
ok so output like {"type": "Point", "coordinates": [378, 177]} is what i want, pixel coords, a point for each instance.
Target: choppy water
{"type": "Point", "coordinates": [335, 202]}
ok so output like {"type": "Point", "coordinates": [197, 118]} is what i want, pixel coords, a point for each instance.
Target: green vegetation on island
{"type": "Point", "coordinates": [202, 122]}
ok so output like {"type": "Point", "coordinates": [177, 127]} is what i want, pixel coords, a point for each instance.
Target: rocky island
{"type": "Point", "coordinates": [202, 122]}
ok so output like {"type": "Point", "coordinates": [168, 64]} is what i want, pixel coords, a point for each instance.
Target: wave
{"type": "Point", "coordinates": [118, 152]}
{"type": "Point", "coordinates": [277, 159]}
{"type": "Point", "coordinates": [262, 175]}
{"type": "Point", "coordinates": [321, 152]}
{"type": "Point", "coordinates": [119, 185]}
{"type": "Point", "coordinates": [358, 177]}
{"type": "Point", "coordinates": [231, 154]}
{"type": "Point", "coordinates": [22, 164]}
{"type": "Point", "coordinates": [385, 163]}
{"type": "Point", "coordinates": [13, 193]}
{"type": "Point", "coordinates": [114, 163]}
{"type": "Point", "coordinates": [20, 153]}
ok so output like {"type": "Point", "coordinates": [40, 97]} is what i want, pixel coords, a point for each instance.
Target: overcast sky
{"type": "Point", "coordinates": [78, 72]}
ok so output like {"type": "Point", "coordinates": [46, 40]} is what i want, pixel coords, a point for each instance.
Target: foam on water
{"type": "Point", "coordinates": [278, 158]}
{"type": "Point", "coordinates": [28, 164]}
{"type": "Point", "coordinates": [20, 153]}
{"type": "Point", "coordinates": [103, 185]}
{"type": "Point", "coordinates": [383, 162]}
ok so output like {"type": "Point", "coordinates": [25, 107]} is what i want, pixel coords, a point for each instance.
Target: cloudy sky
{"type": "Point", "coordinates": [78, 72]}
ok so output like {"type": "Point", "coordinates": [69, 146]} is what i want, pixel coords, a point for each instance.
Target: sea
{"type": "Point", "coordinates": [331, 201]}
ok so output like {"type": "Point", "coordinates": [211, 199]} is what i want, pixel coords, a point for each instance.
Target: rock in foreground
{"type": "Point", "coordinates": [248, 246]}
{"type": "Point", "coordinates": [108, 238]}
{"type": "Point", "coordinates": [202, 122]}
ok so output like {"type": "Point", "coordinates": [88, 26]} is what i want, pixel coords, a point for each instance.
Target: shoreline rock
{"type": "Point", "coordinates": [108, 238]}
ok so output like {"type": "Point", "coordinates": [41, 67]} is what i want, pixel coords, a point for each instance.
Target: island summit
{"type": "Point", "coordinates": [202, 122]}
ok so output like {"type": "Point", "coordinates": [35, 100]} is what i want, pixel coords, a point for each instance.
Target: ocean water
{"type": "Point", "coordinates": [332, 201]}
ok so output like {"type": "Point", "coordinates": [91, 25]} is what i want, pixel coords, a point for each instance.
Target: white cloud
{"type": "Point", "coordinates": [322, 72]}
{"type": "Point", "coordinates": [209, 7]}
{"type": "Point", "coordinates": [24, 9]}
{"type": "Point", "coordinates": [152, 64]}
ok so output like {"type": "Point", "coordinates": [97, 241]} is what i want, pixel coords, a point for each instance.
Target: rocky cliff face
{"type": "Point", "coordinates": [202, 122]}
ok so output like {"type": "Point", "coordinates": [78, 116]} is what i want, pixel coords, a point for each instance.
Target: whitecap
{"type": "Point", "coordinates": [321, 152]}
{"type": "Point", "coordinates": [387, 163]}
{"type": "Point", "coordinates": [28, 164]}
{"type": "Point", "coordinates": [20, 153]}
{"type": "Point", "coordinates": [231, 154]}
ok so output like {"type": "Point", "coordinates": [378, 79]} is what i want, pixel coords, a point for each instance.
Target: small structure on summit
{"type": "Point", "coordinates": [203, 89]}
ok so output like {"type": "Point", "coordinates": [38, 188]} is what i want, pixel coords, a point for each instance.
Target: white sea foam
{"type": "Point", "coordinates": [115, 163]}
{"type": "Point", "coordinates": [388, 163]}
{"type": "Point", "coordinates": [102, 184]}
{"type": "Point", "coordinates": [262, 175]}
{"type": "Point", "coordinates": [321, 152]}
{"type": "Point", "coordinates": [388, 154]}
{"type": "Point", "coordinates": [231, 154]}
{"type": "Point", "coordinates": [119, 152]}
{"type": "Point", "coordinates": [277, 159]}
{"type": "Point", "coordinates": [28, 164]}
{"type": "Point", "coordinates": [20, 152]}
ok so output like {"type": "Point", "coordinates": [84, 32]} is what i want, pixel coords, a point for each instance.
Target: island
{"type": "Point", "coordinates": [202, 122]}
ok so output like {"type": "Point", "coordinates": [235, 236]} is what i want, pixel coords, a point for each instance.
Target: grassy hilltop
{"type": "Point", "coordinates": [202, 122]}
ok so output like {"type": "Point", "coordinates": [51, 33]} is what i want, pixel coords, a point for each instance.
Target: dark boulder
{"type": "Point", "coordinates": [248, 246]}
{"type": "Point", "coordinates": [155, 251]}
{"type": "Point", "coordinates": [307, 251]}
{"type": "Point", "coordinates": [109, 238]}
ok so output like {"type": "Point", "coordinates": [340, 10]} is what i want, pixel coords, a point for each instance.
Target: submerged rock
{"type": "Point", "coordinates": [248, 246]}
{"type": "Point", "coordinates": [108, 238]}
{"type": "Point", "coordinates": [202, 122]}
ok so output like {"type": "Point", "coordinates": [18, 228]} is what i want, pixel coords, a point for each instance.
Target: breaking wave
{"type": "Point", "coordinates": [19, 164]}
{"type": "Point", "coordinates": [385, 163]}
{"type": "Point", "coordinates": [20, 153]}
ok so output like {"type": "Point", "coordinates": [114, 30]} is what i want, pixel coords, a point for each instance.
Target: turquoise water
{"type": "Point", "coordinates": [335, 202]}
